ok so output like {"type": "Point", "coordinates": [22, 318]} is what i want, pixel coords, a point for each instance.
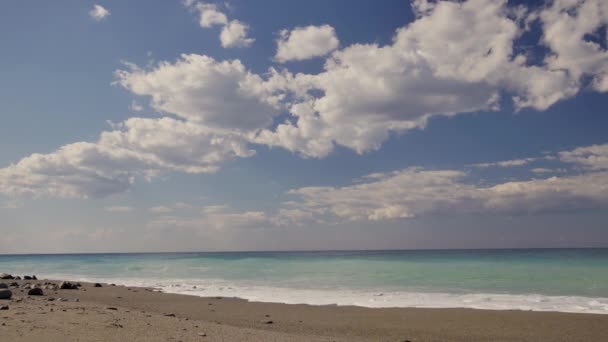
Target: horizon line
{"type": "Point", "coordinates": [307, 251]}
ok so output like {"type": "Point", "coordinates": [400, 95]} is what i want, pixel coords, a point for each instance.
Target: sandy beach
{"type": "Point", "coordinates": [119, 313]}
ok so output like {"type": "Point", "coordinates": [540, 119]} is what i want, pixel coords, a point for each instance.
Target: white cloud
{"type": "Point", "coordinates": [542, 170]}
{"type": "Point", "coordinates": [118, 209]}
{"type": "Point", "coordinates": [209, 15]}
{"type": "Point", "coordinates": [416, 192]}
{"type": "Point", "coordinates": [221, 95]}
{"type": "Point", "coordinates": [234, 33]}
{"type": "Point", "coordinates": [507, 163]}
{"type": "Point", "coordinates": [99, 13]}
{"type": "Point", "coordinates": [455, 58]}
{"type": "Point", "coordinates": [137, 147]}
{"type": "Point", "coordinates": [594, 157]}
{"type": "Point", "coordinates": [565, 25]}
{"type": "Point", "coordinates": [306, 42]}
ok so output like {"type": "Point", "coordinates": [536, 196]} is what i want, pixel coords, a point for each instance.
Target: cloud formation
{"type": "Point", "coordinates": [234, 33]}
{"type": "Point", "coordinates": [416, 192]}
{"type": "Point", "coordinates": [197, 88]}
{"type": "Point", "coordinates": [306, 42]}
{"type": "Point", "coordinates": [593, 157]}
{"type": "Point", "coordinates": [138, 147]}
{"type": "Point", "coordinates": [99, 13]}
{"type": "Point", "coordinates": [455, 57]}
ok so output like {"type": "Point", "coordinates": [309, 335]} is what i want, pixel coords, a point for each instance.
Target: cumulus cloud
{"type": "Point", "coordinates": [200, 89]}
{"type": "Point", "coordinates": [209, 14]}
{"type": "Point", "coordinates": [234, 33]}
{"type": "Point", "coordinates": [138, 147]}
{"type": "Point", "coordinates": [457, 57]}
{"type": "Point", "coordinates": [566, 26]}
{"type": "Point", "coordinates": [593, 157]}
{"type": "Point", "coordinates": [416, 192]}
{"type": "Point", "coordinates": [99, 13]}
{"type": "Point", "coordinates": [306, 42]}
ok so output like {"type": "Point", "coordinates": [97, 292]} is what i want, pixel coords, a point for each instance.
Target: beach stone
{"type": "Point", "coordinates": [27, 277]}
{"type": "Point", "coordinates": [267, 322]}
{"type": "Point", "coordinates": [66, 285]}
{"type": "Point", "coordinates": [97, 285]}
{"type": "Point", "coordinates": [14, 284]}
{"type": "Point", "coordinates": [36, 291]}
{"type": "Point", "coordinates": [4, 307]}
{"type": "Point", "coordinates": [202, 334]}
{"type": "Point", "coordinates": [3, 286]}
{"type": "Point", "coordinates": [34, 277]}
{"type": "Point", "coordinates": [26, 286]}
{"type": "Point", "coordinates": [17, 278]}
{"type": "Point", "coordinates": [6, 276]}
{"type": "Point", "coordinates": [5, 294]}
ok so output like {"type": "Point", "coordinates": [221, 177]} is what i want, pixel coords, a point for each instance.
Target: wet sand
{"type": "Point", "coordinates": [118, 313]}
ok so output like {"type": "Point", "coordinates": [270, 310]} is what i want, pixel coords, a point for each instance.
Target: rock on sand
{"type": "Point", "coordinates": [36, 291]}
{"type": "Point", "coordinates": [5, 294]}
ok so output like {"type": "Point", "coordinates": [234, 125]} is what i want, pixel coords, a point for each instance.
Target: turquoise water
{"type": "Point", "coordinates": [535, 279]}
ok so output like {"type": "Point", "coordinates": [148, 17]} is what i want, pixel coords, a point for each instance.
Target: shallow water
{"type": "Point", "coordinates": [572, 280]}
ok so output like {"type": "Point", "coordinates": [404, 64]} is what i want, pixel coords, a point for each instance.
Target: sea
{"type": "Point", "coordinates": [566, 280]}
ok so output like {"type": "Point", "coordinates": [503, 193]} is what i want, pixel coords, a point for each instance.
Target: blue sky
{"type": "Point", "coordinates": [140, 126]}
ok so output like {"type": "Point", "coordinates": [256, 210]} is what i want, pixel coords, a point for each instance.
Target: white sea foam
{"type": "Point", "coordinates": [366, 298]}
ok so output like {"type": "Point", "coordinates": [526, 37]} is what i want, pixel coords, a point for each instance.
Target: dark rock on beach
{"type": "Point", "coordinates": [5, 294]}
{"type": "Point", "coordinates": [97, 285]}
{"type": "Point", "coordinates": [27, 277]}
{"type": "Point", "coordinates": [3, 286]}
{"type": "Point", "coordinates": [6, 276]}
{"type": "Point", "coordinates": [36, 291]}
{"type": "Point", "coordinates": [66, 285]}
{"type": "Point", "coordinates": [4, 307]}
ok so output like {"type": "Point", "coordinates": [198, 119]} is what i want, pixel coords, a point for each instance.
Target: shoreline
{"type": "Point", "coordinates": [380, 299]}
{"type": "Point", "coordinates": [184, 317]}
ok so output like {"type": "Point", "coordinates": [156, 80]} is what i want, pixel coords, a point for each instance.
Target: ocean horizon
{"type": "Point", "coordinates": [538, 279]}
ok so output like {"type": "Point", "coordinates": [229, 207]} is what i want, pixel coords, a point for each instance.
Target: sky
{"type": "Point", "coordinates": [145, 126]}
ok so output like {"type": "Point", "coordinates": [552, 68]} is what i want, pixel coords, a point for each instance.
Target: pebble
{"type": "Point", "coordinates": [267, 322]}
{"type": "Point", "coordinates": [4, 307]}
{"type": "Point", "coordinates": [202, 334]}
